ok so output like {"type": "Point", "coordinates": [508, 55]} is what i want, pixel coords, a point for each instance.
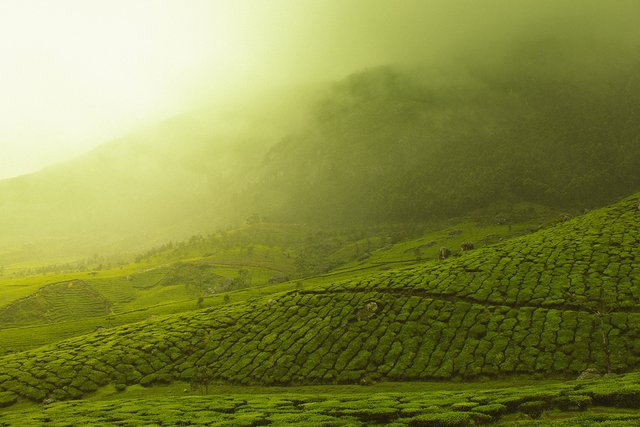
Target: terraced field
{"type": "Point", "coordinates": [553, 303]}
{"type": "Point", "coordinates": [57, 302]}
{"type": "Point", "coordinates": [189, 275]}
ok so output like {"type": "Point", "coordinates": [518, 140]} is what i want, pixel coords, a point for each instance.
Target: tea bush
{"type": "Point", "coordinates": [553, 303]}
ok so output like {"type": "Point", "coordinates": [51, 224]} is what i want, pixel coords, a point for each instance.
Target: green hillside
{"type": "Point", "coordinates": [162, 182]}
{"type": "Point", "coordinates": [57, 302]}
{"type": "Point", "coordinates": [255, 260]}
{"type": "Point", "coordinates": [550, 304]}
{"type": "Point", "coordinates": [321, 213]}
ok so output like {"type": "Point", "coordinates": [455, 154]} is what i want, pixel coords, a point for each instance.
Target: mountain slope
{"type": "Point", "coordinates": [164, 182]}
{"type": "Point", "coordinates": [552, 303]}
{"type": "Point", "coordinates": [549, 121]}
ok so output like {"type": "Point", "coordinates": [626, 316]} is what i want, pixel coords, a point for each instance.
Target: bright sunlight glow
{"type": "Point", "coordinates": [78, 73]}
{"type": "Point", "coordinates": [75, 73]}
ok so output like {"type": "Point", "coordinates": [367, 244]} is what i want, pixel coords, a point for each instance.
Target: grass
{"type": "Point", "coordinates": [427, 246]}
{"type": "Point", "coordinates": [57, 302]}
{"type": "Point", "coordinates": [15, 287]}
{"type": "Point", "coordinates": [25, 337]}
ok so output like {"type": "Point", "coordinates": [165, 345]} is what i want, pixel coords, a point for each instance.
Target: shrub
{"type": "Point", "coordinates": [623, 397]}
{"type": "Point", "coordinates": [493, 409]}
{"type": "Point", "coordinates": [7, 398]}
{"type": "Point", "coordinates": [533, 408]}
{"type": "Point", "coordinates": [375, 415]}
{"type": "Point", "coordinates": [573, 402]}
{"type": "Point", "coordinates": [444, 419]}
{"type": "Point", "coordinates": [464, 406]}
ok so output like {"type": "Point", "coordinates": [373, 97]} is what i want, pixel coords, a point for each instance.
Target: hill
{"type": "Point", "coordinates": [545, 121]}
{"type": "Point", "coordinates": [166, 181]}
{"type": "Point", "coordinates": [44, 304]}
{"type": "Point", "coordinates": [553, 303]}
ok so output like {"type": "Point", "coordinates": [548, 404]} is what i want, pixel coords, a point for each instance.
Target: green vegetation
{"type": "Point", "coordinates": [420, 404]}
{"type": "Point", "coordinates": [234, 265]}
{"type": "Point", "coordinates": [394, 145]}
{"type": "Point", "coordinates": [56, 303]}
{"type": "Point", "coordinates": [421, 243]}
{"type": "Point", "coordinates": [533, 305]}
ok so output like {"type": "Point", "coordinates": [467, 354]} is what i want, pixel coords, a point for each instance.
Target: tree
{"type": "Point", "coordinates": [201, 378]}
{"type": "Point", "coordinates": [243, 279]}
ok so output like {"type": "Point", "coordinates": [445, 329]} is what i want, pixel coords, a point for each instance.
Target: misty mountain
{"type": "Point", "coordinates": [549, 121]}
{"type": "Point", "coordinates": [161, 183]}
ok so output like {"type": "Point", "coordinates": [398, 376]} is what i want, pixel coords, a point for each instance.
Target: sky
{"type": "Point", "coordinates": [77, 73]}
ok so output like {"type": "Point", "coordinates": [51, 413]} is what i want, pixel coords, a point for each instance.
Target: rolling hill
{"type": "Point", "coordinates": [550, 304]}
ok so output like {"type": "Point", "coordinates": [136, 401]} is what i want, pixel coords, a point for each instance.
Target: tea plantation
{"type": "Point", "coordinates": [551, 304]}
{"type": "Point", "coordinates": [57, 302]}
{"type": "Point", "coordinates": [610, 401]}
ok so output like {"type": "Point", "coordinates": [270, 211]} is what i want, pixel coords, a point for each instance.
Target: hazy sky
{"type": "Point", "coordinates": [77, 73]}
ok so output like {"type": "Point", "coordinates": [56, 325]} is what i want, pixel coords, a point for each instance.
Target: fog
{"type": "Point", "coordinates": [207, 112]}
{"type": "Point", "coordinates": [76, 74]}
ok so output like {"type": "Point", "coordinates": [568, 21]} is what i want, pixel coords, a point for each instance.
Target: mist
{"type": "Point", "coordinates": [212, 112]}
{"type": "Point", "coordinates": [76, 75]}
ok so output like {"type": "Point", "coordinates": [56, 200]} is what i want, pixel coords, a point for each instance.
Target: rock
{"type": "Point", "coordinates": [371, 306]}
{"type": "Point", "coordinates": [364, 381]}
{"type": "Point", "coordinates": [369, 311]}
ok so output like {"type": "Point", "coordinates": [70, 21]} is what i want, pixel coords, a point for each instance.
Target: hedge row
{"type": "Point", "coordinates": [327, 338]}
{"type": "Point", "coordinates": [426, 408]}
{"type": "Point", "coordinates": [431, 322]}
{"type": "Point", "coordinates": [590, 263]}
